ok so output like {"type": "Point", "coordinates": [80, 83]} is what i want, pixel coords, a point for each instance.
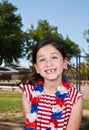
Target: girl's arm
{"type": "Point", "coordinates": [25, 105]}
{"type": "Point", "coordinates": [76, 115]}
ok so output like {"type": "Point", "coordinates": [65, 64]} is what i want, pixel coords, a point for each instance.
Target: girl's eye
{"type": "Point", "coordinates": [54, 57]}
{"type": "Point", "coordinates": [40, 60]}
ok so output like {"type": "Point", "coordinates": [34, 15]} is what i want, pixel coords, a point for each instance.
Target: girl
{"type": "Point", "coordinates": [49, 102]}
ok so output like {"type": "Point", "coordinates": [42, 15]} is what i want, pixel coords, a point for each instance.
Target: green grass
{"type": "Point", "coordinates": [11, 106]}
{"type": "Point", "coordinates": [86, 104]}
{"type": "Point", "coordinates": [10, 102]}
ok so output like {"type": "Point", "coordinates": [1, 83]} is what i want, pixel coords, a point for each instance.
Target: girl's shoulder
{"type": "Point", "coordinates": [74, 94]}
{"type": "Point", "coordinates": [25, 87]}
{"type": "Point", "coordinates": [74, 90]}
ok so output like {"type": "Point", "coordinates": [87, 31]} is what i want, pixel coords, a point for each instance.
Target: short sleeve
{"type": "Point", "coordinates": [74, 95]}
{"type": "Point", "coordinates": [27, 90]}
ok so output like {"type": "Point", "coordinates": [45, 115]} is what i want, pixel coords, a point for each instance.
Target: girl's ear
{"type": "Point", "coordinates": [36, 68]}
{"type": "Point", "coordinates": [65, 63]}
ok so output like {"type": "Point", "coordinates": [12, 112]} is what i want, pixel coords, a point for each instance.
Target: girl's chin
{"type": "Point", "coordinates": [51, 78]}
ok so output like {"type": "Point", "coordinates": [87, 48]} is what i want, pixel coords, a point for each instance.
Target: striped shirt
{"type": "Point", "coordinates": [46, 102]}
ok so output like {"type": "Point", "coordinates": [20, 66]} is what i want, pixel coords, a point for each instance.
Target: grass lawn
{"type": "Point", "coordinates": [10, 102]}
{"type": "Point", "coordinates": [86, 104]}
{"type": "Point", "coordinates": [10, 106]}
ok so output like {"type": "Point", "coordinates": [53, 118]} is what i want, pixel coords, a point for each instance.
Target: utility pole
{"type": "Point", "coordinates": [78, 71]}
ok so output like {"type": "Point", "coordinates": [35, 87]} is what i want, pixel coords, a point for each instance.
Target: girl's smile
{"type": "Point", "coordinates": [50, 71]}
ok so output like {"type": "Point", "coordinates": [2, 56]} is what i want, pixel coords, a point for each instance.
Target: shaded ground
{"type": "Point", "coordinates": [8, 125]}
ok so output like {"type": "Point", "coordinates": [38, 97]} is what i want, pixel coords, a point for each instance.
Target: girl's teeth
{"type": "Point", "coordinates": [50, 71]}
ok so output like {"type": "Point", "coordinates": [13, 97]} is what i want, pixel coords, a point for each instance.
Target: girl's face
{"type": "Point", "coordinates": [50, 63]}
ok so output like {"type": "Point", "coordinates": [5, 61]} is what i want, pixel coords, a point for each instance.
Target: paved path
{"type": "Point", "coordinates": [86, 113]}
{"type": "Point", "coordinates": [6, 125]}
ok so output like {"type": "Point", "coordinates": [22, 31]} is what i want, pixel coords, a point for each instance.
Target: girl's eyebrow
{"type": "Point", "coordinates": [40, 56]}
{"type": "Point", "coordinates": [50, 53]}
{"type": "Point", "coordinates": [54, 53]}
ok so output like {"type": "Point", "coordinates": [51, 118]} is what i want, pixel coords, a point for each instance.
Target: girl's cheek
{"type": "Point", "coordinates": [41, 68]}
{"type": "Point", "coordinates": [41, 65]}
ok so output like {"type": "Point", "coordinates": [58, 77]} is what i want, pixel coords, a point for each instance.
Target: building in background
{"type": "Point", "coordinates": [14, 72]}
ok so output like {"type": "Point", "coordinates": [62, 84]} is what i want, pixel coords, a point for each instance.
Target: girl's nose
{"type": "Point", "coordinates": [48, 62]}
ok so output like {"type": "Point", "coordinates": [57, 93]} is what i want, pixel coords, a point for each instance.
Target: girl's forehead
{"type": "Point", "coordinates": [48, 49]}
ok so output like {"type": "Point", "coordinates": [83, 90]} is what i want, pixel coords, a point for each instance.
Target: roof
{"type": "Point", "coordinates": [12, 69]}
{"type": "Point", "coordinates": [20, 68]}
{"type": "Point", "coordinates": [8, 70]}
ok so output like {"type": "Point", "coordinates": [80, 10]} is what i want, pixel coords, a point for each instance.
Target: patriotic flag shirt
{"type": "Point", "coordinates": [45, 104]}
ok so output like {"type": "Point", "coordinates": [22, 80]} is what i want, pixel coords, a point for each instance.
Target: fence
{"type": "Point", "coordinates": [8, 86]}
{"type": "Point", "coordinates": [78, 73]}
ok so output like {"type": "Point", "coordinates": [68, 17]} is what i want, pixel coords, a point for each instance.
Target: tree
{"type": "Point", "coordinates": [71, 47]}
{"type": "Point", "coordinates": [11, 35]}
{"type": "Point", "coordinates": [86, 36]}
{"type": "Point", "coordinates": [44, 29]}
{"type": "Point", "coordinates": [34, 35]}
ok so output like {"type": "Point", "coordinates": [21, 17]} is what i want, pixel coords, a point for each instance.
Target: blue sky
{"type": "Point", "coordinates": [70, 16]}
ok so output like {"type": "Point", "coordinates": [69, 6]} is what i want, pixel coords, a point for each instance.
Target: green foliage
{"type": "Point", "coordinates": [87, 58]}
{"type": "Point", "coordinates": [11, 35]}
{"type": "Point", "coordinates": [71, 47]}
{"type": "Point", "coordinates": [14, 43]}
{"type": "Point", "coordinates": [44, 29]}
{"type": "Point", "coordinates": [86, 36]}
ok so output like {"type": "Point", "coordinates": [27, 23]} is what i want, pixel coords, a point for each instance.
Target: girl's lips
{"type": "Point", "coordinates": [50, 71]}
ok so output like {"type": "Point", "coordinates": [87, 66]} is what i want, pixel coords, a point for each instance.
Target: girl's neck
{"type": "Point", "coordinates": [50, 87]}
